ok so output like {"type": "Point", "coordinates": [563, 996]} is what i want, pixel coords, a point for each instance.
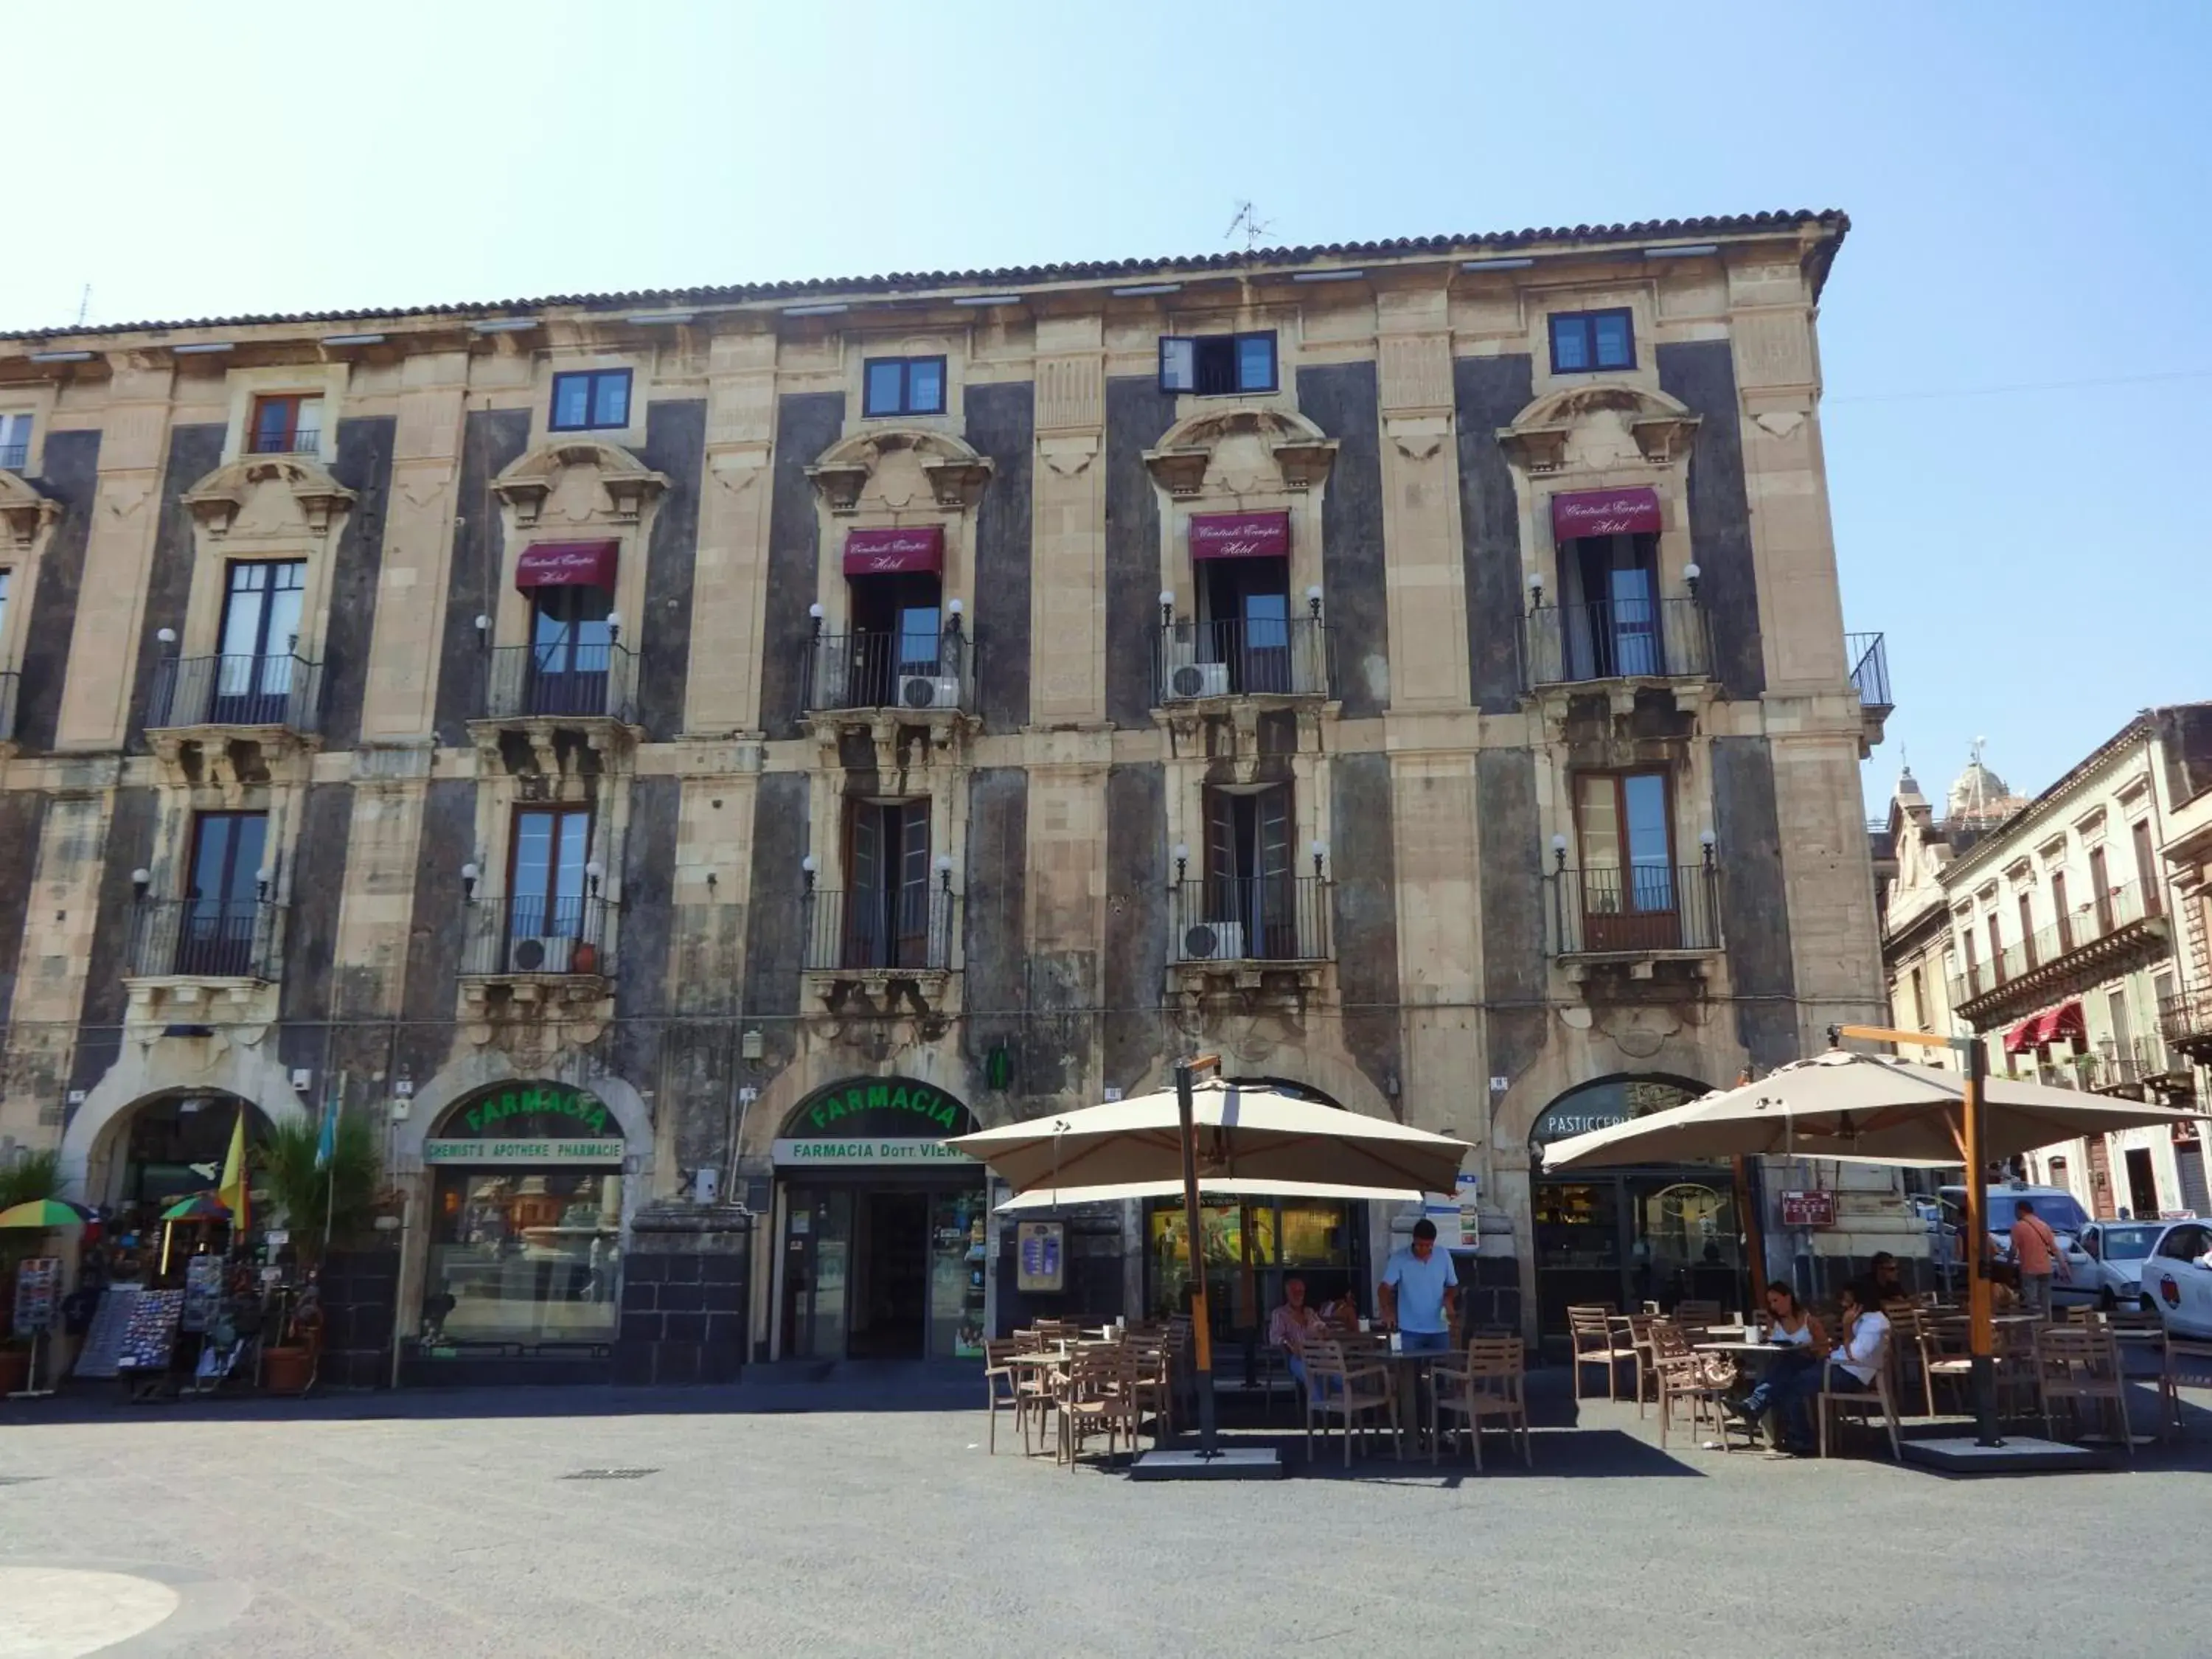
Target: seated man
{"type": "Point", "coordinates": [1292, 1324]}
{"type": "Point", "coordinates": [1888, 1280]}
{"type": "Point", "coordinates": [1418, 1292]}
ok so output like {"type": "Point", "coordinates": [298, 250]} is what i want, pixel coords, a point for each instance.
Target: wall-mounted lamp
{"type": "Point", "coordinates": [710, 881]}
{"type": "Point", "coordinates": [483, 630]}
{"type": "Point", "coordinates": [944, 871]}
{"type": "Point", "coordinates": [167, 636]}
{"type": "Point", "coordinates": [806, 869]}
{"type": "Point", "coordinates": [592, 870]}
{"type": "Point", "coordinates": [1707, 840]}
{"type": "Point", "coordinates": [1690, 575]}
{"type": "Point", "coordinates": [1560, 850]}
{"type": "Point", "coordinates": [1535, 588]}
{"type": "Point", "coordinates": [1320, 851]}
{"type": "Point", "coordinates": [261, 880]}
{"type": "Point", "coordinates": [141, 879]}
{"type": "Point", "coordinates": [614, 624]}
{"type": "Point", "coordinates": [814, 615]}
{"type": "Point", "coordinates": [1166, 606]}
{"type": "Point", "coordinates": [954, 609]}
{"type": "Point", "coordinates": [469, 873]}
{"type": "Point", "coordinates": [1313, 600]}
{"type": "Point", "coordinates": [1182, 861]}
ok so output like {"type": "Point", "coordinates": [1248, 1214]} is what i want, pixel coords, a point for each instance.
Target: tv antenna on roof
{"type": "Point", "coordinates": [84, 306]}
{"type": "Point", "coordinates": [1251, 224]}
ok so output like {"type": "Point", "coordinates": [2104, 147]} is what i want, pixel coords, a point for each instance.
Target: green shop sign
{"type": "Point", "coordinates": [537, 1111]}
{"type": "Point", "coordinates": [567, 1149]}
{"type": "Point", "coordinates": [879, 1108]}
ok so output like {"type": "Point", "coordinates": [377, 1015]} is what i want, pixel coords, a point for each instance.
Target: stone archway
{"type": "Point", "coordinates": [145, 1074]}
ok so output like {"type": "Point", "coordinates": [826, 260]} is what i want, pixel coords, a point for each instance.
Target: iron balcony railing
{"type": "Point", "coordinates": [1244, 657]}
{"type": "Point", "coordinates": [10, 685]}
{"type": "Point", "coordinates": [536, 935]}
{"type": "Point", "coordinates": [14, 458]}
{"type": "Point", "coordinates": [2050, 952]}
{"type": "Point", "coordinates": [871, 931]}
{"type": "Point", "coordinates": [307, 441]}
{"type": "Point", "coordinates": [1617, 639]}
{"type": "Point", "coordinates": [2114, 1066]}
{"type": "Point", "coordinates": [207, 938]}
{"type": "Point", "coordinates": [1248, 919]}
{"type": "Point", "coordinates": [915, 670]}
{"type": "Point", "coordinates": [237, 690]}
{"type": "Point", "coordinates": [1633, 912]}
{"type": "Point", "coordinates": [2184, 1019]}
{"type": "Point", "coordinates": [1869, 658]}
{"type": "Point", "coordinates": [570, 681]}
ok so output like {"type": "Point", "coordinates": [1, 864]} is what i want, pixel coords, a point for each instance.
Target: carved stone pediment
{"type": "Point", "coordinates": [890, 465]}
{"type": "Point", "coordinates": [24, 511]}
{"type": "Point", "coordinates": [1241, 450]}
{"type": "Point", "coordinates": [216, 501]}
{"type": "Point", "coordinates": [629, 484]}
{"type": "Point", "coordinates": [1596, 427]}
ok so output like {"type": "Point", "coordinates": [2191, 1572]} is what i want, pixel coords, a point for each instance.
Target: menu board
{"type": "Point", "coordinates": [104, 1341]}
{"type": "Point", "coordinates": [38, 1292]}
{"type": "Point", "coordinates": [151, 1334]}
{"type": "Point", "coordinates": [202, 1292]}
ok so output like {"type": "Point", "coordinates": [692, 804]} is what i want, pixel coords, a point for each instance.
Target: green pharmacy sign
{"type": "Point", "coordinates": [533, 1111]}
{"type": "Point", "coordinates": [877, 1109]}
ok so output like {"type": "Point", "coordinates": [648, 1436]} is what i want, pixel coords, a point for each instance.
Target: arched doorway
{"type": "Point", "coordinates": [1636, 1234]}
{"type": "Point", "coordinates": [881, 1228]}
{"type": "Point", "coordinates": [524, 1248]}
{"type": "Point", "coordinates": [166, 1146]}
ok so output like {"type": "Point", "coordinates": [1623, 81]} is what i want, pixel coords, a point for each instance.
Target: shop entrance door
{"type": "Point", "coordinates": [817, 1246]}
{"type": "Point", "coordinates": [1662, 1236]}
{"type": "Point", "coordinates": [891, 1279]}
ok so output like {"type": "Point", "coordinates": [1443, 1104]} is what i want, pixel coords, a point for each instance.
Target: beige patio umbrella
{"type": "Point", "coordinates": [1241, 1134]}
{"type": "Point", "coordinates": [1855, 1106]}
{"type": "Point", "coordinates": [1050, 1198]}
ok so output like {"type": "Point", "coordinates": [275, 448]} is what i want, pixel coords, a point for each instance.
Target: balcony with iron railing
{"type": "Point", "coordinates": [567, 682]}
{"type": "Point", "coordinates": [308, 441]}
{"type": "Point", "coordinates": [2184, 1020]}
{"type": "Point", "coordinates": [1231, 920]}
{"type": "Point", "coordinates": [1243, 656]}
{"type": "Point", "coordinates": [1647, 910]}
{"type": "Point", "coordinates": [273, 691]}
{"type": "Point", "coordinates": [2119, 930]}
{"type": "Point", "coordinates": [1616, 640]}
{"type": "Point", "coordinates": [532, 937]}
{"type": "Point", "coordinates": [198, 939]}
{"type": "Point", "coordinates": [911, 673]}
{"type": "Point", "coordinates": [1869, 654]}
{"type": "Point", "coordinates": [869, 933]}
{"type": "Point", "coordinates": [2112, 1068]}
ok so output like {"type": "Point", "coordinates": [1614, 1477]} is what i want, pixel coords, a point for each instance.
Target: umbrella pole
{"type": "Point", "coordinates": [1981, 1332]}
{"type": "Point", "coordinates": [1201, 1328]}
{"type": "Point", "coordinates": [1754, 1235]}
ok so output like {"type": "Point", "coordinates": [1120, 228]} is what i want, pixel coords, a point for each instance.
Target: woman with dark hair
{"type": "Point", "coordinates": [1793, 1330]}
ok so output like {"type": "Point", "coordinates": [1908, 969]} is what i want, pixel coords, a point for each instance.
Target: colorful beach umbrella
{"type": "Point", "coordinates": [46, 1213]}
{"type": "Point", "coordinates": [200, 1207]}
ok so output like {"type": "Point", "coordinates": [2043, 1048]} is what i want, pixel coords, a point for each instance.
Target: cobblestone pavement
{"type": "Point", "coordinates": [448, 1524]}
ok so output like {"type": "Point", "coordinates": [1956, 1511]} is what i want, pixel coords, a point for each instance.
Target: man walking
{"type": "Point", "coordinates": [1418, 1290]}
{"type": "Point", "coordinates": [2035, 1252]}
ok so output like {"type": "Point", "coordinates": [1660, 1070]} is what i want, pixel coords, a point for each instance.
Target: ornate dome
{"type": "Point", "coordinates": [1977, 791]}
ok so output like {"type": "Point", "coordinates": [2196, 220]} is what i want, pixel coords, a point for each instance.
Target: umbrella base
{"type": "Point", "coordinates": [1239, 1463]}
{"type": "Point", "coordinates": [2020, 1454]}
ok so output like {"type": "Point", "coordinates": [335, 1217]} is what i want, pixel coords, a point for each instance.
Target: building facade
{"type": "Point", "coordinates": [669, 759]}
{"type": "Point", "coordinates": [2068, 932]}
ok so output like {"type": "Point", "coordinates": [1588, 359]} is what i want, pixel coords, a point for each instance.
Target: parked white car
{"type": "Point", "coordinates": [2175, 1284]}
{"type": "Point", "coordinates": [2109, 1262]}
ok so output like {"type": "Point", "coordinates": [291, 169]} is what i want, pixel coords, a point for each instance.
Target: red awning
{"type": "Point", "coordinates": [1240, 535]}
{"type": "Point", "coordinates": [882, 552]}
{"type": "Point", "coordinates": [1605, 513]}
{"type": "Point", "coordinates": [566, 564]}
{"type": "Point", "coordinates": [2041, 1031]}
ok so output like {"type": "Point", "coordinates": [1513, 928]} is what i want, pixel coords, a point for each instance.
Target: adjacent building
{"type": "Point", "coordinates": [2068, 931]}
{"type": "Point", "coordinates": [669, 759]}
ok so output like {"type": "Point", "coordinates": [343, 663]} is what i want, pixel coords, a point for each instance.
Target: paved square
{"type": "Point", "coordinates": [448, 1524]}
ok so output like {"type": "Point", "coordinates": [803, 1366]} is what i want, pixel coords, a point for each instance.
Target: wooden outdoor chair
{"type": "Point", "coordinates": [1489, 1384]}
{"type": "Point", "coordinates": [1008, 1384]}
{"type": "Point", "coordinates": [1093, 1399]}
{"type": "Point", "coordinates": [1590, 1331]}
{"type": "Point", "coordinates": [1647, 1373]}
{"type": "Point", "coordinates": [1151, 1382]}
{"type": "Point", "coordinates": [1880, 1395]}
{"type": "Point", "coordinates": [1342, 1388]}
{"type": "Point", "coordinates": [1908, 1323]}
{"type": "Point", "coordinates": [2075, 1364]}
{"type": "Point", "coordinates": [1945, 1356]}
{"type": "Point", "coordinates": [1696, 1318]}
{"type": "Point", "coordinates": [1682, 1376]}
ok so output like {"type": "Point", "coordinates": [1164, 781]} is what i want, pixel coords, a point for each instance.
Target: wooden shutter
{"type": "Point", "coordinates": [1222, 864]}
{"type": "Point", "coordinates": [913, 914]}
{"type": "Point", "coordinates": [1274, 837]}
{"type": "Point", "coordinates": [863, 885]}
{"type": "Point", "coordinates": [1178, 363]}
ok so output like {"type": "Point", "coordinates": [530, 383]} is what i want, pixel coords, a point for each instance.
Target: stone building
{"type": "Point", "coordinates": [2069, 932]}
{"type": "Point", "coordinates": [669, 758]}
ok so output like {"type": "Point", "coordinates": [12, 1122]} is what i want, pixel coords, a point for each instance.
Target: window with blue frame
{"type": "Point", "coordinates": [903, 386]}
{"type": "Point", "coordinates": [1218, 365]}
{"type": "Point", "coordinates": [590, 399]}
{"type": "Point", "coordinates": [1587, 342]}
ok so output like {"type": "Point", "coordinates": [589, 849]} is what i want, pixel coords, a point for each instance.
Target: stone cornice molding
{"type": "Point", "coordinates": [215, 500]}
{"type": "Point", "coordinates": [1536, 441]}
{"type": "Point", "coordinates": [958, 473]}
{"type": "Point", "coordinates": [1301, 451]}
{"type": "Point", "coordinates": [629, 484]}
{"type": "Point", "coordinates": [24, 513]}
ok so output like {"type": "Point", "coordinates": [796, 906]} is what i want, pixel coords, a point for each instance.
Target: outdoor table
{"type": "Point", "coordinates": [1408, 1368]}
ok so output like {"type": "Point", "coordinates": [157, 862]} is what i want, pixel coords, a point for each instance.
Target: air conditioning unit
{"type": "Point", "coordinates": [929, 691]}
{"type": "Point", "coordinates": [1197, 679]}
{"type": "Point", "coordinates": [1214, 941]}
{"type": "Point", "coordinates": [539, 954]}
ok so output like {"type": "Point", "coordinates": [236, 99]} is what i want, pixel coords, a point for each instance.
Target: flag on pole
{"type": "Point", "coordinates": [326, 1141]}
{"type": "Point", "coordinates": [232, 1192]}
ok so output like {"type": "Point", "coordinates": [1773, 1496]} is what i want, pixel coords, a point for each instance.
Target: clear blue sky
{"type": "Point", "coordinates": [2016, 338]}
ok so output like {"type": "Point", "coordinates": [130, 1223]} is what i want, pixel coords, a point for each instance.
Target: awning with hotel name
{"type": "Point", "coordinates": [1632, 512]}
{"type": "Point", "coordinates": [566, 564]}
{"type": "Point", "coordinates": [894, 551]}
{"type": "Point", "coordinates": [2041, 1031]}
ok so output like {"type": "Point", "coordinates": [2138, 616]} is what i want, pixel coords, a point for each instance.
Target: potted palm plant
{"type": "Point", "coordinates": [329, 1203]}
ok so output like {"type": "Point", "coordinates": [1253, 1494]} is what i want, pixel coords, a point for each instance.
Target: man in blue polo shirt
{"type": "Point", "coordinates": [1417, 1292]}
